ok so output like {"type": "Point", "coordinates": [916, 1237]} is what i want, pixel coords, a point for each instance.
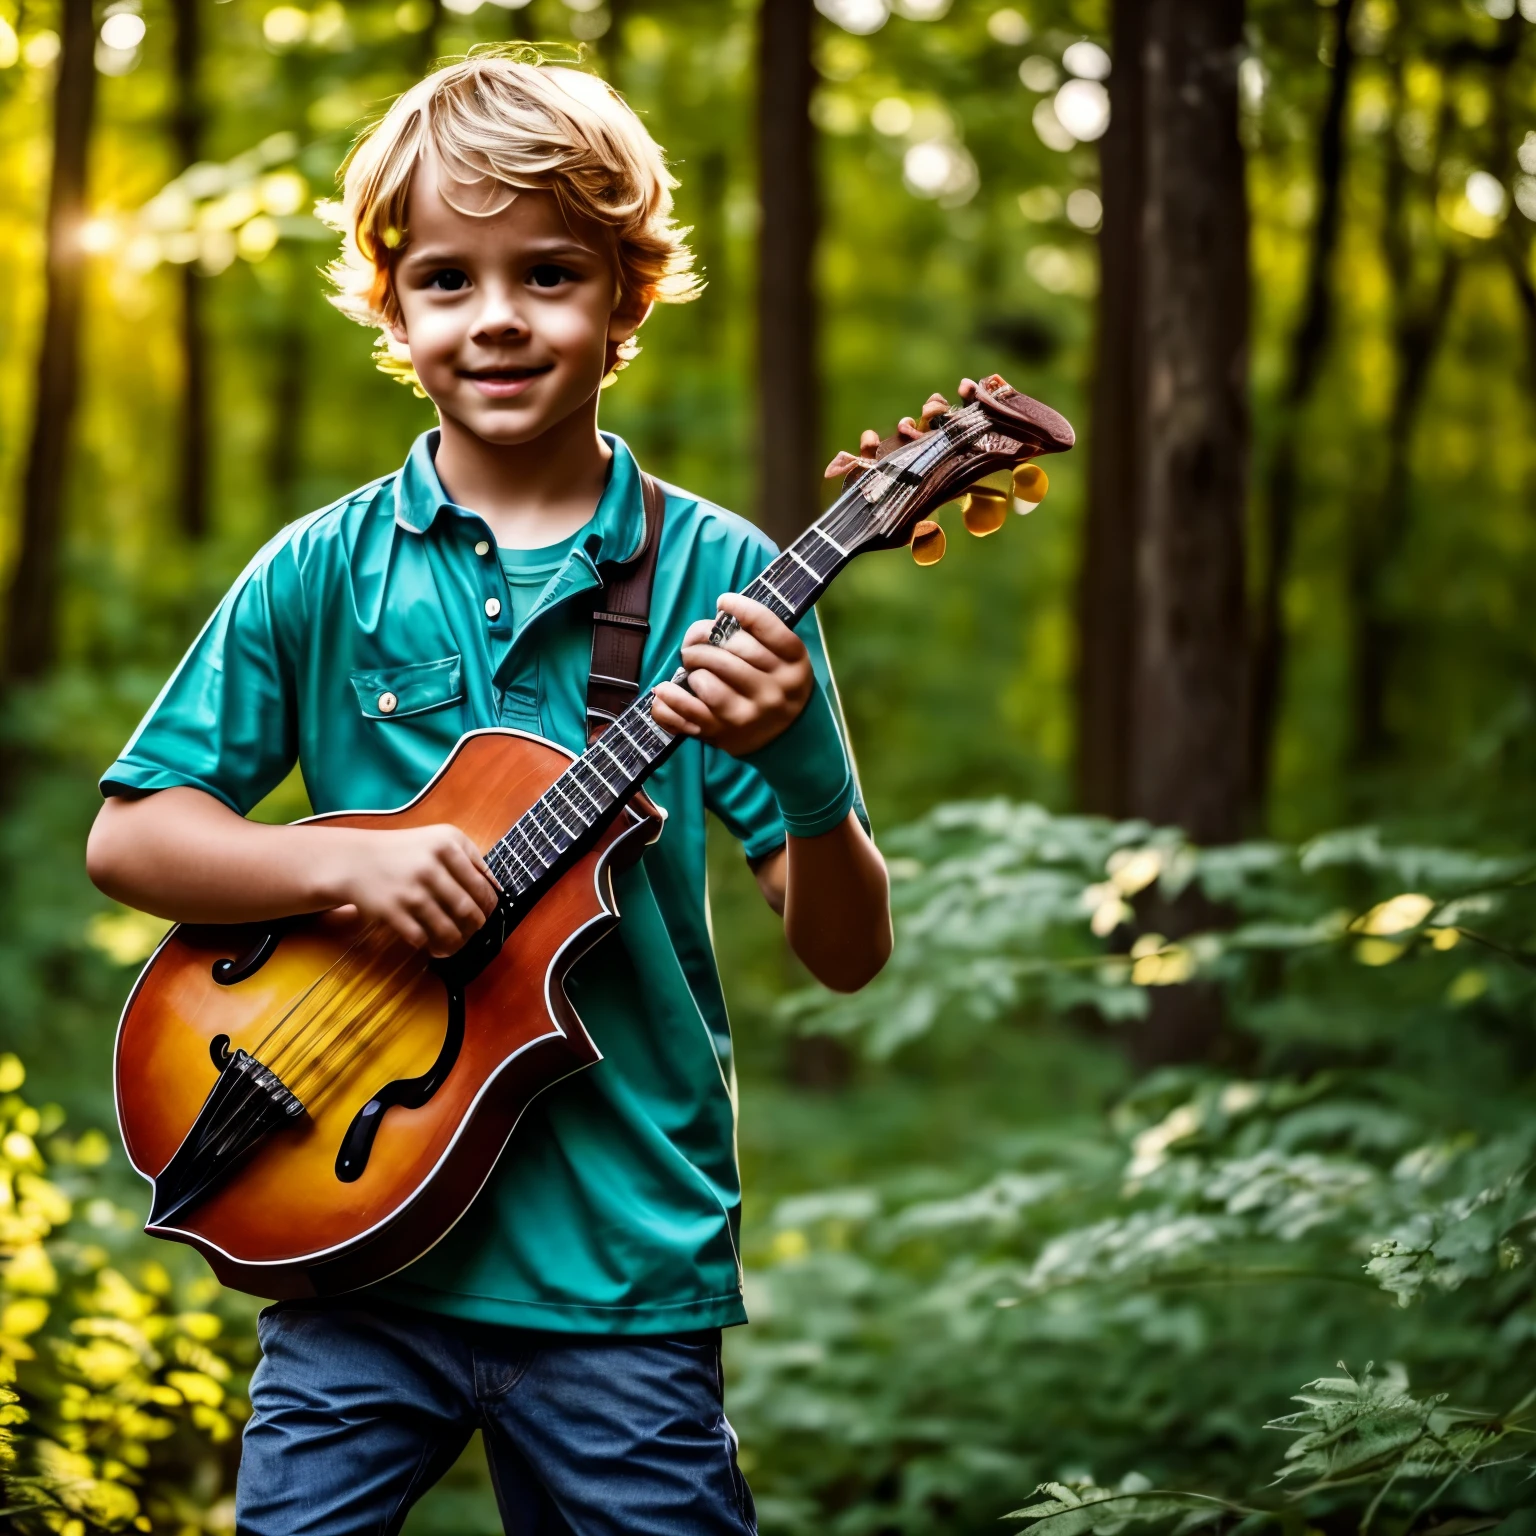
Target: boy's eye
{"type": "Point", "coordinates": [548, 275]}
{"type": "Point", "coordinates": [449, 279]}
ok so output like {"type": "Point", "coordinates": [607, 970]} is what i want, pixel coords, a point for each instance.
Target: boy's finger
{"type": "Point", "coordinates": [869, 440]}
{"type": "Point", "coordinates": [456, 904]}
{"type": "Point", "coordinates": [443, 935]}
{"type": "Point", "coordinates": [736, 672]}
{"type": "Point", "coordinates": [679, 711]}
{"type": "Point", "coordinates": [726, 705]}
{"type": "Point", "coordinates": [742, 643]}
{"type": "Point", "coordinates": [474, 880]}
{"type": "Point", "coordinates": [763, 625]}
{"type": "Point", "coordinates": [935, 405]}
{"type": "Point", "coordinates": [698, 632]}
{"type": "Point", "coordinates": [409, 929]}
{"type": "Point", "coordinates": [844, 461]}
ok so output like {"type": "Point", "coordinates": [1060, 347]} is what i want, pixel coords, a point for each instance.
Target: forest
{"type": "Point", "coordinates": [1176, 1172]}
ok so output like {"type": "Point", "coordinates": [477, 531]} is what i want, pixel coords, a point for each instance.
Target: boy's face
{"type": "Point", "coordinates": [510, 318]}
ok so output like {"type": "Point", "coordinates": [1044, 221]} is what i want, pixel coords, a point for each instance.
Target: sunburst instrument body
{"type": "Point", "coordinates": [315, 1102]}
{"type": "Point", "coordinates": [292, 996]}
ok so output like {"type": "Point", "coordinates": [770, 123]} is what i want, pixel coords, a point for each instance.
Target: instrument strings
{"type": "Point", "coordinates": [367, 989]}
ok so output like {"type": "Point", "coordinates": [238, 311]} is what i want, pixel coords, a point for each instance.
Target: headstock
{"type": "Point", "coordinates": [997, 429]}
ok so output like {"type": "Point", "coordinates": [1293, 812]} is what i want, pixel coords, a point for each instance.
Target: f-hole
{"type": "Point", "coordinates": [407, 1092]}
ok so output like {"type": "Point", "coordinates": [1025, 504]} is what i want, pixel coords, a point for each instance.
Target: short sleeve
{"type": "Point", "coordinates": [739, 795]}
{"type": "Point", "coordinates": [227, 721]}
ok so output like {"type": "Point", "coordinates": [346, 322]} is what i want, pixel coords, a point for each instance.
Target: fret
{"type": "Point", "coordinates": [542, 814]}
{"type": "Point", "coordinates": [798, 589]}
{"type": "Point", "coordinates": [763, 581]}
{"type": "Point", "coordinates": [562, 787]}
{"type": "Point", "coordinates": [555, 812]}
{"type": "Point", "coordinates": [826, 538]}
{"type": "Point", "coordinates": [573, 774]}
{"type": "Point", "coordinates": [618, 725]}
{"type": "Point", "coordinates": [762, 592]}
{"type": "Point", "coordinates": [804, 565]}
{"type": "Point", "coordinates": [584, 795]}
{"type": "Point", "coordinates": [530, 819]}
{"type": "Point", "coordinates": [613, 757]}
{"type": "Point", "coordinates": [511, 852]}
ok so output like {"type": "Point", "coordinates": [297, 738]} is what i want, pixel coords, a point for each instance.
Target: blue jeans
{"type": "Point", "coordinates": [357, 1410]}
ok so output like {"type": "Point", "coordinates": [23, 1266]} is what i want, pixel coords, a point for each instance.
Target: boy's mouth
{"type": "Point", "coordinates": [503, 383]}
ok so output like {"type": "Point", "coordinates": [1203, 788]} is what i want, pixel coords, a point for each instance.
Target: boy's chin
{"type": "Point", "coordinates": [503, 428]}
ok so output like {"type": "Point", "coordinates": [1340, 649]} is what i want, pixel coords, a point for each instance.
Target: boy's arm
{"type": "Point", "coordinates": [834, 896]}
{"type": "Point", "coordinates": [746, 697]}
{"type": "Point", "coordinates": [182, 854]}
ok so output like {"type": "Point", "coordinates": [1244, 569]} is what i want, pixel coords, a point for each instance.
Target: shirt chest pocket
{"type": "Point", "coordinates": [395, 693]}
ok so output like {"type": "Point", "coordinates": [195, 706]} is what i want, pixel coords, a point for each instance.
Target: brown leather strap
{"type": "Point", "coordinates": [621, 621]}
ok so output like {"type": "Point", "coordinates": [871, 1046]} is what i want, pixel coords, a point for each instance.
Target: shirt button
{"type": "Point", "coordinates": [387, 703]}
{"type": "Point", "coordinates": [493, 607]}
{"type": "Point", "coordinates": [482, 548]}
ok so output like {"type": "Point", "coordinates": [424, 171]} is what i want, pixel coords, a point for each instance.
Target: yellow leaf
{"type": "Point", "coordinates": [196, 1387]}
{"type": "Point", "coordinates": [1467, 987]}
{"type": "Point", "coordinates": [92, 1150]}
{"type": "Point", "coordinates": [1397, 915]}
{"type": "Point", "coordinates": [20, 1318]}
{"type": "Point", "coordinates": [789, 1245]}
{"type": "Point", "coordinates": [31, 1272]}
{"type": "Point", "coordinates": [125, 937]}
{"type": "Point", "coordinates": [1377, 951]}
{"type": "Point", "coordinates": [12, 1073]}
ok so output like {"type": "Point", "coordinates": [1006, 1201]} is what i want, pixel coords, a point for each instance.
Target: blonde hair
{"type": "Point", "coordinates": [496, 123]}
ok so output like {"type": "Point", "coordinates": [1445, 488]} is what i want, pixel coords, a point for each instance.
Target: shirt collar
{"type": "Point", "coordinates": [616, 529]}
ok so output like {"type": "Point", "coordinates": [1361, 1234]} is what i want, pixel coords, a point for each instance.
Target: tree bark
{"type": "Point", "coordinates": [187, 125]}
{"type": "Point", "coordinates": [1190, 676]}
{"type": "Point", "coordinates": [1189, 706]}
{"type": "Point", "coordinates": [1106, 613]}
{"type": "Point", "coordinates": [788, 405]}
{"type": "Point", "coordinates": [32, 630]}
{"type": "Point", "coordinates": [1309, 343]}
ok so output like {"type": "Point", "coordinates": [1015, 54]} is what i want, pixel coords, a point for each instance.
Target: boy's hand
{"type": "Point", "coordinates": [430, 884]}
{"type": "Point", "coordinates": [869, 439]}
{"type": "Point", "coordinates": [745, 692]}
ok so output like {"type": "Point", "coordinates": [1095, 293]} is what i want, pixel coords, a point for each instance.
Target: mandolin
{"type": "Point", "coordinates": [314, 1101]}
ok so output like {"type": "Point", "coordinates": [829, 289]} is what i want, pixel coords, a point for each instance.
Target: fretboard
{"type": "Point", "coordinates": [589, 793]}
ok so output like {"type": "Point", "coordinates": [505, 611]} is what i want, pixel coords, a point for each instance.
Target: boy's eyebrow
{"type": "Point", "coordinates": [544, 249]}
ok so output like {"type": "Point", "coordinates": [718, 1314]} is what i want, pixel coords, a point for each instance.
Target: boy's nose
{"type": "Point", "coordinates": [499, 317]}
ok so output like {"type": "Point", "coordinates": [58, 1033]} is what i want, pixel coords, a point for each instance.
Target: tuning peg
{"type": "Point", "coordinates": [986, 509]}
{"type": "Point", "coordinates": [927, 543]}
{"type": "Point", "coordinates": [1030, 483]}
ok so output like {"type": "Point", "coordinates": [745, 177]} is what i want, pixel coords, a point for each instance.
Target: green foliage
{"type": "Point", "coordinates": [1139, 1292]}
{"type": "Point", "coordinates": [119, 1397]}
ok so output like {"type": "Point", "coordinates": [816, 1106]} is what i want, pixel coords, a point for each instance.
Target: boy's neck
{"type": "Point", "coordinates": [530, 494]}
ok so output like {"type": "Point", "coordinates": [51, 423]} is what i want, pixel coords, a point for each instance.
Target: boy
{"type": "Point", "coordinates": [507, 227]}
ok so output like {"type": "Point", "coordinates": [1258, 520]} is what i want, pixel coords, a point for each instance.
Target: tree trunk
{"type": "Point", "coordinates": [1188, 710]}
{"type": "Point", "coordinates": [32, 632]}
{"type": "Point", "coordinates": [192, 500]}
{"type": "Point", "coordinates": [1193, 439]}
{"type": "Point", "coordinates": [1308, 346]}
{"type": "Point", "coordinates": [788, 406]}
{"type": "Point", "coordinates": [1106, 616]}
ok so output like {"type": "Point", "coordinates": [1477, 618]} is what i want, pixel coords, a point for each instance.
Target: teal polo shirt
{"type": "Point", "coordinates": [615, 1208]}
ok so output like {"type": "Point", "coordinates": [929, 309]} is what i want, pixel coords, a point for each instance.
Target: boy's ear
{"type": "Point", "coordinates": [396, 329]}
{"type": "Point", "coordinates": [628, 316]}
